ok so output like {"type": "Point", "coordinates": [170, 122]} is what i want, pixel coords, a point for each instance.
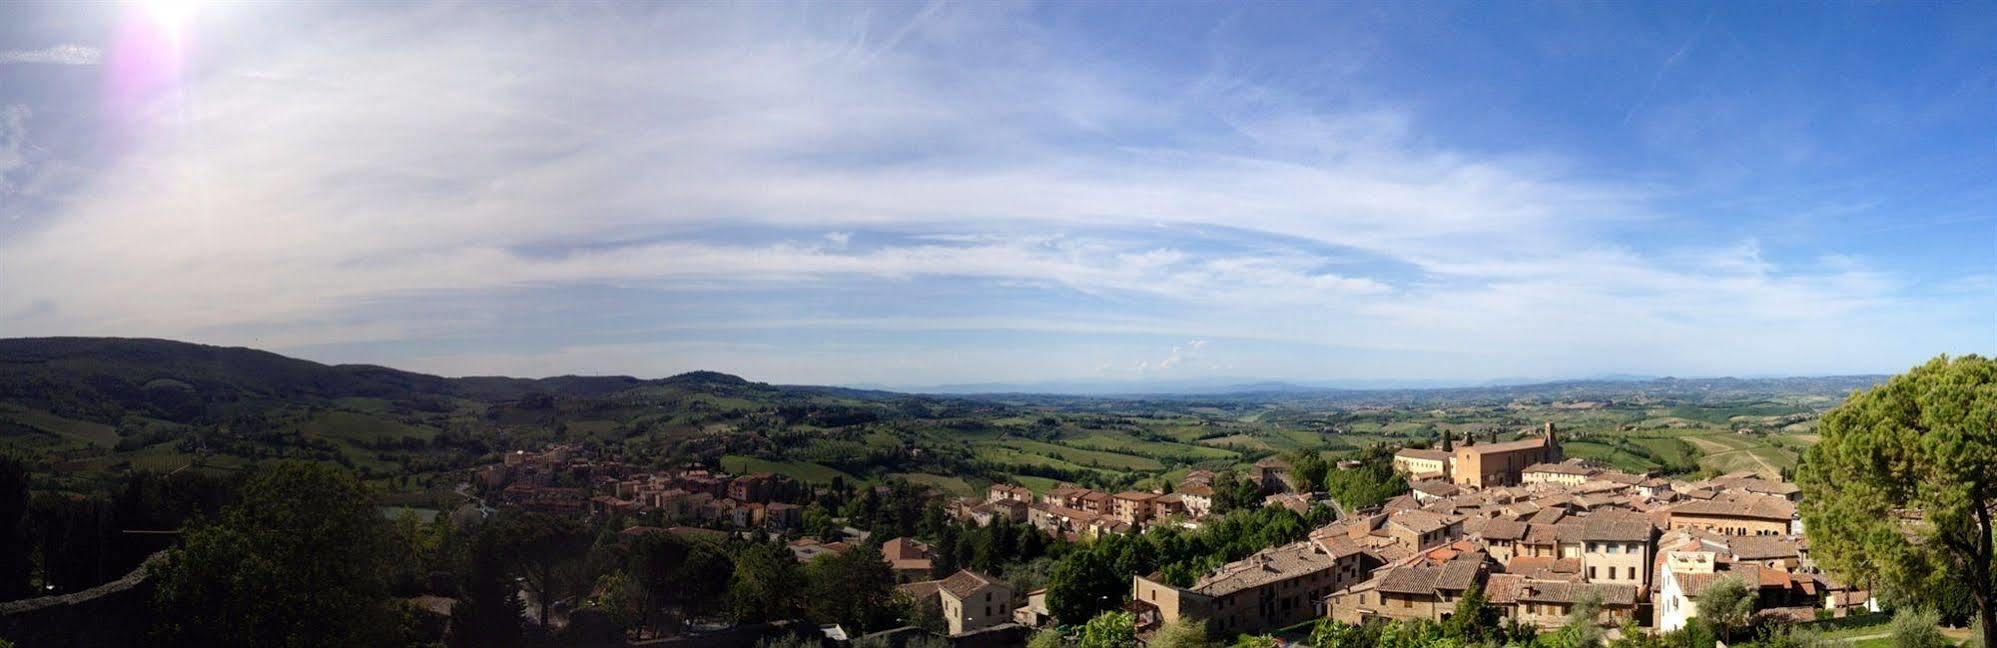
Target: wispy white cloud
{"type": "Point", "coordinates": [57, 55]}
{"type": "Point", "coordinates": [345, 167]}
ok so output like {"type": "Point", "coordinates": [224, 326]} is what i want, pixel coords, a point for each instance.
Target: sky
{"type": "Point", "coordinates": [967, 192]}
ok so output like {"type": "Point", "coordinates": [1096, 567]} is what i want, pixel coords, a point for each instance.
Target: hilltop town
{"type": "Point", "coordinates": [1537, 533]}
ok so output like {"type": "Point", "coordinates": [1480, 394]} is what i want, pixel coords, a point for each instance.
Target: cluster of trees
{"type": "Point", "coordinates": [56, 543]}
{"type": "Point", "coordinates": [1900, 488]}
{"type": "Point", "coordinates": [1369, 484]}
{"type": "Point", "coordinates": [1089, 579]}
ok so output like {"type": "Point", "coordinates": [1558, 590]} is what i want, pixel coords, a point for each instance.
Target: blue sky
{"type": "Point", "coordinates": [916, 194]}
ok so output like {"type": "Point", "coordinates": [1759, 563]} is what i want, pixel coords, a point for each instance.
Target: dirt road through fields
{"type": "Point", "coordinates": [1714, 449]}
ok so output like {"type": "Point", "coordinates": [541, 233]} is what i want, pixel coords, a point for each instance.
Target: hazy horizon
{"type": "Point", "coordinates": [937, 194]}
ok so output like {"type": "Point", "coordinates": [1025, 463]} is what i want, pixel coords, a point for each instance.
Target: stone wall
{"type": "Point", "coordinates": [118, 613]}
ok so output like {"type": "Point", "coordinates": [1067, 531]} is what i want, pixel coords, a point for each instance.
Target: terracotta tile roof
{"type": "Point", "coordinates": [1437, 488]}
{"type": "Point", "coordinates": [1263, 567]}
{"type": "Point", "coordinates": [1503, 530]}
{"type": "Point", "coordinates": [1507, 446]}
{"type": "Point", "coordinates": [1503, 589]}
{"type": "Point", "coordinates": [1196, 489]}
{"type": "Point", "coordinates": [1534, 591]}
{"type": "Point", "coordinates": [1562, 468]}
{"type": "Point", "coordinates": [1136, 496]}
{"type": "Point", "coordinates": [965, 583]}
{"type": "Point", "coordinates": [1547, 515]}
{"type": "Point", "coordinates": [1420, 521]}
{"type": "Point", "coordinates": [1751, 506]}
{"type": "Point", "coordinates": [921, 590]}
{"type": "Point", "coordinates": [1763, 547]}
{"type": "Point", "coordinates": [1424, 454]}
{"type": "Point", "coordinates": [1617, 529]}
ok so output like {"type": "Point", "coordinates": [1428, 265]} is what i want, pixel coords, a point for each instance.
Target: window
{"type": "Point", "coordinates": [1632, 573]}
{"type": "Point", "coordinates": [1591, 573]}
{"type": "Point", "coordinates": [1614, 548]}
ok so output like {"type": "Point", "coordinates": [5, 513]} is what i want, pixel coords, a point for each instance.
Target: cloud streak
{"type": "Point", "coordinates": [342, 170]}
{"type": "Point", "coordinates": [56, 55]}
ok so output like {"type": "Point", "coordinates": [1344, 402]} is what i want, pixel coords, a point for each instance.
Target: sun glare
{"type": "Point", "coordinates": [171, 15]}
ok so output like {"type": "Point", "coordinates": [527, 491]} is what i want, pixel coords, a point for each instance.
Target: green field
{"type": "Point", "coordinates": [1176, 451]}
{"type": "Point", "coordinates": [1087, 458]}
{"type": "Point", "coordinates": [1608, 454]}
{"type": "Point", "coordinates": [950, 485]}
{"type": "Point", "coordinates": [1009, 456]}
{"type": "Point", "coordinates": [355, 426]}
{"type": "Point", "coordinates": [803, 471]}
{"type": "Point", "coordinates": [83, 432]}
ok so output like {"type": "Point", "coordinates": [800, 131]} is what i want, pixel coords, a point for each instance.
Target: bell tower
{"type": "Point", "coordinates": [1552, 433]}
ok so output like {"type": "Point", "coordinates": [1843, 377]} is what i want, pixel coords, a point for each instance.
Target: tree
{"type": "Point", "coordinates": [620, 597]}
{"type": "Point", "coordinates": [1727, 605]}
{"type": "Point", "coordinates": [15, 564]}
{"type": "Point", "coordinates": [488, 612]}
{"type": "Point", "coordinates": [1901, 485]}
{"type": "Point", "coordinates": [1309, 469]}
{"type": "Point", "coordinates": [1182, 633]}
{"type": "Point", "coordinates": [545, 547]}
{"type": "Point", "coordinates": [1113, 629]}
{"type": "Point", "coordinates": [1047, 639]}
{"type": "Point", "coordinates": [766, 585]}
{"type": "Point", "coordinates": [1082, 585]}
{"type": "Point", "coordinates": [1474, 618]}
{"type": "Point", "coordinates": [299, 560]}
{"type": "Point", "coordinates": [1917, 628]}
{"type": "Point", "coordinates": [854, 588]}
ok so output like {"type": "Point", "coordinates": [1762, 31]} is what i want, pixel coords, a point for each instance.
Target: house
{"type": "Point", "coordinates": [1503, 464]}
{"type": "Point", "coordinates": [1422, 463]}
{"type": "Point", "coordinates": [1097, 502]}
{"type": "Point", "coordinates": [1134, 507]}
{"type": "Point", "coordinates": [1546, 604]}
{"type": "Point", "coordinates": [1009, 492]}
{"type": "Point", "coordinates": [809, 549]}
{"type": "Point", "coordinates": [1419, 529]}
{"type": "Point", "coordinates": [910, 559]}
{"type": "Point", "coordinates": [1740, 515]}
{"type": "Point", "coordinates": [1572, 472]}
{"type": "Point", "coordinates": [974, 601]}
{"type": "Point", "coordinates": [1433, 489]}
{"type": "Point", "coordinates": [1273, 473]}
{"type": "Point", "coordinates": [1682, 576]}
{"type": "Point", "coordinates": [1034, 614]}
{"type": "Point", "coordinates": [1617, 549]}
{"type": "Point", "coordinates": [780, 516]}
{"type": "Point", "coordinates": [1273, 588]}
{"type": "Point", "coordinates": [1198, 498]}
{"type": "Point", "coordinates": [1409, 591]}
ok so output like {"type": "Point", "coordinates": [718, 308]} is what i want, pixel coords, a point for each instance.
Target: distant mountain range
{"type": "Point", "coordinates": [1226, 386]}
{"type": "Point", "coordinates": [127, 373]}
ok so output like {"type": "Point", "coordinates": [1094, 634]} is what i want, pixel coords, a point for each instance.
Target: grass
{"type": "Point", "coordinates": [1667, 449]}
{"type": "Point", "coordinates": [1239, 441]}
{"type": "Point", "coordinates": [1117, 442]}
{"type": "Point", "coordinates": [1607, 453]}
{"type": "Point", "coordinates": [1036, 483]}
{"type": "Point", "coordinates": [355, 426]}
{"type": "Point", "coordinates": [803, 471]}
{"type": "Point", "coordinates": [1001, 454]}
{"type": "Point", "coordinates": [80, 431]}
{"type": "Point", "coordinates": [947, 484]}
{"type": "Point", "coordinates": [1088, 458]}
{"type": "Point", "coordinates": [1731, 453]}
